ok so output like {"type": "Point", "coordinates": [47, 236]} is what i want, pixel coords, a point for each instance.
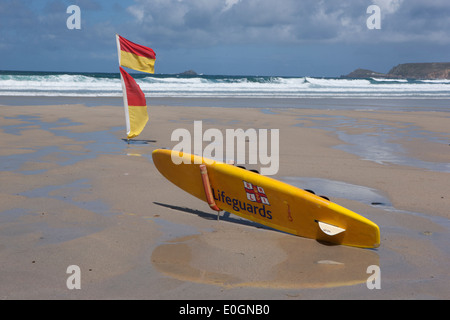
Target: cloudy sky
{"type": "Point", "coordinates": [232, 37]}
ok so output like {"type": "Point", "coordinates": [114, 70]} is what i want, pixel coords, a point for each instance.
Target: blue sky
{"type": "Point", "coordinates": [232, 37]}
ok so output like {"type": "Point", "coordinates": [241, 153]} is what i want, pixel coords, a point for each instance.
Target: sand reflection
{"type": "Point", "coordinates": [262, 259]}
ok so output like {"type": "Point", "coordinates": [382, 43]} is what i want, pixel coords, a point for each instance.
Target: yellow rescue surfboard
{"type": "Point", "coordinates": [265, 200]}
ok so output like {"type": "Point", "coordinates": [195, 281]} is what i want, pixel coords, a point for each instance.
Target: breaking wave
{"type": "Point", "coordinates": [108, 85]}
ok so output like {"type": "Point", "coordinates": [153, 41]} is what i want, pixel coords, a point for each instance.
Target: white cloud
{"type": "Point", "coordinates": [136, 12]}
{"type": "Point", "coordinates": [229, 4]}
{"type": "Point", "coordinates": [388, 6]}
{"type": "Point", "coordinates": [210, 22]}
{"type": "Point", "coordinates": [185, 23]}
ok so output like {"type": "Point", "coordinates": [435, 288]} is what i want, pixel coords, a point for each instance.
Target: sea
{"type": "Point", "coordinates": [225, 90]}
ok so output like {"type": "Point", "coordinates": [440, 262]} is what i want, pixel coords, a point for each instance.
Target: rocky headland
{"type": "Point", "coordinates": [435, 70]}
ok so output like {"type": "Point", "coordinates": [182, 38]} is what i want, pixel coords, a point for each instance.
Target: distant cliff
{"type": "Point", "coordinates": [422, 70]}
{"type": "Point", "coordinates": [435, 70]}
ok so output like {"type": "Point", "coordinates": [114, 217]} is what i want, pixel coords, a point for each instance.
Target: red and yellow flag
{"type": "Point", "coordinates": [135, 105]}
{"type": "Point", "coordinates": [135, 56]}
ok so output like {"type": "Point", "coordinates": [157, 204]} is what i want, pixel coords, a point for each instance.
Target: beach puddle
{"type": "Point", "coordinates": [57, 144]}
{"type": "Point", "coordinates": [70, 193]}
{"type": "Point", "coordinates": [366, 195]}
{"type": "Point", "coordinates": [339, 189]}
{"type": "Point", "coordinates": [268, 111]}
{"type": "Point", "coordinates": [379, 141]}
{"type": "Point", "coordinates": [396, 219]}
{"type": "Point", "coordinates": [55, 223]}
{"type": "Point", "coordinates": [258, 259]}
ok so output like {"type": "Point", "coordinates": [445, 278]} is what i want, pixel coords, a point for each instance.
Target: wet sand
{"type": "Point", "coordinates": [74, 193]}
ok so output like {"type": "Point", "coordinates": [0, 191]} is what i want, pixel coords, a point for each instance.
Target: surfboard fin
{"type": "Point", "coordinates": [330, 229]}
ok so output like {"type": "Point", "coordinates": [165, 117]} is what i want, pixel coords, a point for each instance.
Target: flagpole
{"type": "Point", "coordinates": [125, 105]}
{"type": "Point", "coordinates": [118, 48]}
{"type": "Point", "coordinates": [125, 100]}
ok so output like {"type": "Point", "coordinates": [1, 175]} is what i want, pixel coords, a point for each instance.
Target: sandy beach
{"type": "Point", "coordinates": [73, 192]}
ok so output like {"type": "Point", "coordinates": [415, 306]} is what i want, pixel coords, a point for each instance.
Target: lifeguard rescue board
{"type": "Point", "coordinates": [265, 200]}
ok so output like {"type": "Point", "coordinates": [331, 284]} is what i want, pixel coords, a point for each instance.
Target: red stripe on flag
{"type": "Point", "coordinates": [137, 49]}
{"type": "Point", "coordinates": [135, 96]}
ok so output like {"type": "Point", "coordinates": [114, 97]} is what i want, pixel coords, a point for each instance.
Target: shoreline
{"type": "Point", "coordinates": [323, 103]}
{"type": "Point", "coordinates": [75, 193]}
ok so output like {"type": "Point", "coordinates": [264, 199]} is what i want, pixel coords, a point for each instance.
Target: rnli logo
{"type": "Point", "coordinates": [255, 193]}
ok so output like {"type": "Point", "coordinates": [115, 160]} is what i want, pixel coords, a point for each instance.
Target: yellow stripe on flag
{"type": "Point", "coordinates": [133, 61]}
{"type": "Point", "coordinates": [138, 119]}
